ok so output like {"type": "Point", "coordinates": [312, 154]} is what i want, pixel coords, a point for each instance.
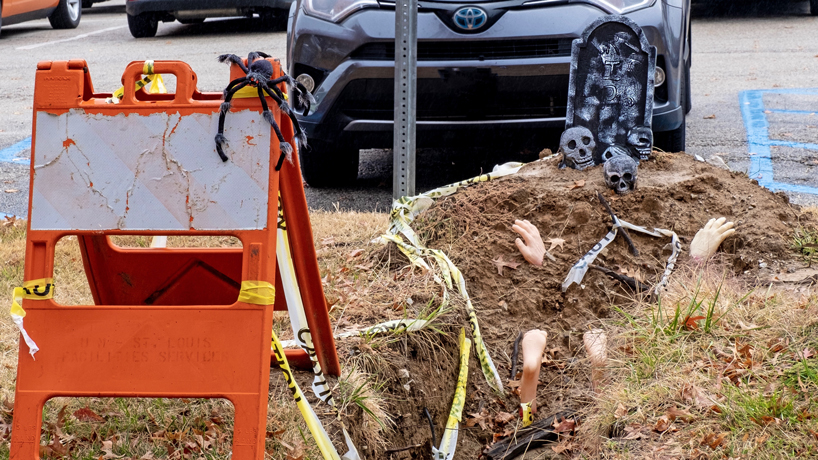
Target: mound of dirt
{"type": "Point", "coordinates": [473, 227]}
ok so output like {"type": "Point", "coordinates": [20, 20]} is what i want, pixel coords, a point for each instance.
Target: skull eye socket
{"type": "Point", "coordinates": [614, 178]}
{"type": "Point", "coordinates": [627, 177]}
{"type": "Point", "coordinates": [572, 144]}
{"type": "Point", "coordinates": [586, 140]}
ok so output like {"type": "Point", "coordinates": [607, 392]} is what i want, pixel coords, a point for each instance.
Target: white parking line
{"type": "Point", "coordinates": [76, 37]}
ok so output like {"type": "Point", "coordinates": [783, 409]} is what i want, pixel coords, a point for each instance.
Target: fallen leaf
{"type": "Point", "coordinates": [680, 414]}
{"type": "Point", "coordinates": [354, 254]}
{"type": "Point", "coordinates": [620, 411]}
{"type": "Point", "coordinates": [663, 424]}
{"type": "Point", "coordinates": [554, 242]}
{"type": "Point", "coordinates": [565, 426]}
{"type": "Point", "coordinates": [503, 417]}
{"type": "Point", "coordinates": [11, 190]}
{"type": "Point", "coordinates": [692, 323]}
{"type": "Point", "coordinates": [710, 117]}
{"type": "Point", "coordinates": [577, 184]}
{"type": "Point", "coordinates": [806, 353]}
{"type": "Point", "coordinates": [562, 447]}
{"type": "Point", "coordinates": [107, 449]}
{"type": "Point", "coordinates": [478, 419]}
{"type": "Point", "coordinates": [87, 415]}
{"type": "Point", "coordinates": [500, 263]}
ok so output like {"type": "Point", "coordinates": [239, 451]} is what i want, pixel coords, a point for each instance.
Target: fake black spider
{"type": "Point", "coordinates": [258, 75]}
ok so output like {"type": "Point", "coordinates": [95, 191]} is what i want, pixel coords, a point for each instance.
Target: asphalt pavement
{"type": "Point", "coordinates": [753, 81]}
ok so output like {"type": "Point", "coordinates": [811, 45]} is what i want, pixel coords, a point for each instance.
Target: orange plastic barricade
{"type": "Point", "coordinates": [167, 322]}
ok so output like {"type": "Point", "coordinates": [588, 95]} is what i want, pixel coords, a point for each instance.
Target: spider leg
{"type": "Point", "coordinates": [232, 84]}
{"type": "Point", "coordinates": [300, 135]}
{"type": "Point", "coordinates": [225, 107]}
{"type": "Point", "coordinates": [256, 55]}
{"type": "Point", "coordinates": [286, 149]}
{"type": "Point", "coordinates": [233, 59]}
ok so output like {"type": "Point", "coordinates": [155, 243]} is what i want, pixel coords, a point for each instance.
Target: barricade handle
{"type": "Point", "coordinates": [185, 80]}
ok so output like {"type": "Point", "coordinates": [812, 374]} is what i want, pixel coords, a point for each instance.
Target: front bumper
{"type": "Point", "coordinates": [135, 7]}
{"type": "Point", "coordinates": [355, 97]}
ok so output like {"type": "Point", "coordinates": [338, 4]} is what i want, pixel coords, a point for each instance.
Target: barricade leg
{"type": "Point", "coordinates": [27, 424]}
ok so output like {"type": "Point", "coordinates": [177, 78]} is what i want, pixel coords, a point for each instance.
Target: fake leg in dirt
{"type": "Point", "coordinates": [220, 139]}
{"type": "Point", "coordinates": [533, 348]}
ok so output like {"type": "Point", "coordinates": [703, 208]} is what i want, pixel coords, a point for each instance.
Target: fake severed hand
{"type": "Point", "coordinates": [533, 250]}
{"type": "Point", "coordinates": [709, 238]}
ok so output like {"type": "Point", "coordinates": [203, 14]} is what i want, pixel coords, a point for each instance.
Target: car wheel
{"type": "Point", "coordinates": [326, 165]}
{"type": "Point", "coordinates": [142, 25]}
{"type": "Point", "coordinates": [813, 7]}
{"type": "Point", "coordinates": [191, 21]}
{"type": "Point", "coordinates": [67, 15]}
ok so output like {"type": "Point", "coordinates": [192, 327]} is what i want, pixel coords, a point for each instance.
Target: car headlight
{"type": "Point", "coordinates": [336, 10]}
{"type": "Point", "coordinates": [620, 6]}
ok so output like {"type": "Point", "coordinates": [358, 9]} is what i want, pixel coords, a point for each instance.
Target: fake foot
{"type": "Point", "coordinates": [709, 238]}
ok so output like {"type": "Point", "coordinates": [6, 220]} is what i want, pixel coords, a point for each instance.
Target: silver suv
{"type": "Point", "coordinates": [487, 70]}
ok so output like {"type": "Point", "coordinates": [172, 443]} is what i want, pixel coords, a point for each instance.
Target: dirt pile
{"type": "Point", "coordinates": [473, 227]}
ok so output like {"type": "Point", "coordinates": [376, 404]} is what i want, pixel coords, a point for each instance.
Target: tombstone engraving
{"type": "Point", "coordinates": [611, 87]}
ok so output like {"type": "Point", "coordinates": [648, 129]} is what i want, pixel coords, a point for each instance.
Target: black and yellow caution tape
{"type": "Point", "coordinates": [449, 442]}
{"type": "Point", "coordinates": [40, 289]}
{"type": "Point", "coordinates": [157, 84]}
{"type": "Point", "coordinates": [328, 451]}
{"type": "Point", "coordinates": [403, 213]}
{"type": "Point", "coordinates": [300, 327]}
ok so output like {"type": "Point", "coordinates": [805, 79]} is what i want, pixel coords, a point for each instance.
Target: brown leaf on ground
{"type": "Point", "coordinates": [87, 415]}
{"type": "Point", "coordinates": [500, 263]}
{"type": "Point", "coordinates": [478, 419]}
{"type": "Point", "coordinates": [714, 440]}
{"type": "Point", "coordinates": [565, 426]}
{"type": "Point", "coordinates": [696, 396]}
{"type": "Point", "coordinates": [107, 449]}
{"type": "Point", "coordinates": [554, 242]}
{"type": "Point", "coordinates": [503, 417]}
{"type": "Point", "coordinates": [806, 353]}
{"type": "Point", "coordinates": [692, 323]}
{"type": "Point", "coordinates": [11, 190]}
{"type": "Point", "coordinates": [354, 254]}
{"type": "Point", "coordinates": [564, 446]}
{"type": "Point", "coordinates": [680, 414]}
{"type": "Point", "coordinates": [577, 184]}
{"type": "Point", "coordinates": [620, 411]}
{"type": "Point", "coordinates": [710, 117]}
{"type": "Point", "coordinates": [664, 423]}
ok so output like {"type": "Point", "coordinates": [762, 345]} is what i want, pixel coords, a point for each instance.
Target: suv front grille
{"type": "Point", "coordinates": [459, 98]}
{"type": "Point", "coordinates": [471, 50]}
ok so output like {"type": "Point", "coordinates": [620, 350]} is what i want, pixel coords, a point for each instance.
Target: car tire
{"type": "Point", "coordinates": [143, 25]}
{"type": "Point", "coordinates": [191, 21]}
{"type": "Point", "coordinates": [67, 15]}
{"type": "Point", "coordinates": [813, 7]}
{"type": "Point", "coordinates": [326, 165]}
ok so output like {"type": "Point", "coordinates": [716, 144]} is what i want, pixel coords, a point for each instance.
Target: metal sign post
{"type": "Point", "coordinates": [406, 60]}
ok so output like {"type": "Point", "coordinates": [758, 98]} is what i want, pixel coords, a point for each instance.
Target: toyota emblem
{"type": "Point", "coordinates": [470, 18]}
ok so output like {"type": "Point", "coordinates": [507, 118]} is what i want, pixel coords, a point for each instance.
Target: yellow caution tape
{"type": "Point", "coordinates": [528, 417]}
{"type": "Point", "coordinates": [40, 289]}
{"type": "Point", "coordinates": [257, 293]}
{"type": "Point", "coordinates": [157, 86]}
{"type": "Point", "coordinates": [318, 433]}
{"type": "Point", "coordinates": [449, 441]}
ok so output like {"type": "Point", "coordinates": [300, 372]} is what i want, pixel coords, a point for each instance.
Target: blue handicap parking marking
{"type": "Point", "coordinates": [9, 154]}
{"type": "Point", "coordinates": [758, 136]}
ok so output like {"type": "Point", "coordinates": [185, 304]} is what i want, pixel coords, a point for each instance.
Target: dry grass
{"type": "Point", "coordinates": [717, 369]}
{"type": "Point", "coordinates": [201, 428]}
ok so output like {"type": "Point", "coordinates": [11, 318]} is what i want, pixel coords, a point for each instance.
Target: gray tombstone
{"type": "Point", "coordinates": [610, 88]}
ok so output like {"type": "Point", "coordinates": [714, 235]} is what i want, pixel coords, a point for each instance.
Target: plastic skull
{"type": "Point", "coordinates": [641, 139]}
{"type": "Point", "coordinates": [620, 174]}
{"type": "Point", "coordinates": [614, 151]}
{"type": "Point", "coordinates": [578, 145]}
